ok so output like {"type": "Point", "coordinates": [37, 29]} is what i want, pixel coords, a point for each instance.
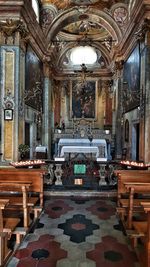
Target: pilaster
{"type": "Point", "coordinates": [11, 84]}
{"type": "Point", "coordinates": [47, 106]}
{"type": "Point", "coordinates": [147, 100]}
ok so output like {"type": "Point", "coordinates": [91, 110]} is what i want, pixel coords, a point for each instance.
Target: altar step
{"type": "Point", "coordinates": [60, 190]}
{"type": "Point", "coordinates": [85, 193]}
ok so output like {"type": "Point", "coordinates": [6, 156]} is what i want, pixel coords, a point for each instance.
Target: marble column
{"type": "Point", "coordinates": [147, 101]}
{"type": "Point", "coordinates": [46, 126]}
{"type": "Point", "coordinates": [119, 128]}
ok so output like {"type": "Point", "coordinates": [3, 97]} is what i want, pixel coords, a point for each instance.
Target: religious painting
{"type": "Point", "coordinates": [131, 81]}
{"type": "Point", "coordinates": [34, 79]}
{"type": "Point", "coordinates": [83, 100]}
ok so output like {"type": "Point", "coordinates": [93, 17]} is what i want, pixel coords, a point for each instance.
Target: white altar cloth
{"type": "Point", "coordinates": [41, 149]}
{"type": "Point", "coordinates": [72, 142]}
{"type": "Point", "coordinates": [102, 145]}
{"type": "Point", "coordinates": [80, 149]}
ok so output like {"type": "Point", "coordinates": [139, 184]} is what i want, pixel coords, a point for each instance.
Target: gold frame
{"type": "Point", "coordinates": [95, 104]}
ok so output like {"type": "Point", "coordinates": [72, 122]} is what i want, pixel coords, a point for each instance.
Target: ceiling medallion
{"type": "Point", "coordinates": [84, 2]}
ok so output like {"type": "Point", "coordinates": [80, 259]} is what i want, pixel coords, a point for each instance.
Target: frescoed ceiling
{"type": "Point", "coordinates": [62, 4]}
{"type": "Point", "coordinates": [84, 26]}
{"type": "Point", "coordinates": [98, 23]}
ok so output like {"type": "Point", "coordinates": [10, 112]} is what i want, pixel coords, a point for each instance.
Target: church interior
{"type": "Point", "coordinates": [75, 133]}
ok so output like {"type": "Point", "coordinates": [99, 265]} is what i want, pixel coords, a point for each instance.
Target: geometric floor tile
{"type": "Point", "coordinates": [41, 252]}
{"type": "Point", "coordinates": [110, 253]}
{"type": "Point", "coordinates": [78, 227]}
{"type": "Point", "coordinates": [57, 208]}
{"type": "Point", "coordinates": [103, 210]}
{"type": "Point", "coordinates": [87, 235]}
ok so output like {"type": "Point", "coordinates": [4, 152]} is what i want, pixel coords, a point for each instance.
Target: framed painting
{"type": "Point", "coordinates": [83, 100]}
{"type": "Point", "coordinates": [8, 114]}
{"type": "Point", "coordinates": [131, 80]}
{"type": "Point", "coordinates": [33, 78]}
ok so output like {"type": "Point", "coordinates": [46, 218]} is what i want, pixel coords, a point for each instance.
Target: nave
{"type": "Point", "coordinates": [76, 231]}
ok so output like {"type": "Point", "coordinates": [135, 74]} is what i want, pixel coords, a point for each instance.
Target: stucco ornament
{"type": "Point", "coordinates": [8, 102]}
{"type": "Point", "coordinates": [84, 2]}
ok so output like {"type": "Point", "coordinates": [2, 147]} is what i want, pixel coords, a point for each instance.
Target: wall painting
{"type": "Point", "coordinates": [131, 80]}
{"type": "Point", "coordinates": [83, 101]}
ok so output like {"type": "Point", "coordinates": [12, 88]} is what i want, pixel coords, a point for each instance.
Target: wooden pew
{"type": "Point", "coordinates": [139, 188]}
{"type": "Point", "coordinates": [7, 227]}
{"type": "Point", "coordinates": [143, 232]}
{"type": "Point", "coordinates": [123, 191]}
{"type": "Point", "coordinates": [33, 178]}
{"type": "Point", "coordinates": [17, 202]}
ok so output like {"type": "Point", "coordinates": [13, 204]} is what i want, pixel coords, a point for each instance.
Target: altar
{"type": "Point", "coordinates": [96, 147]}
{"type": "Point", "coordinates": [79, 149]}
{"type": "Point", "coordinates": [72, 142]}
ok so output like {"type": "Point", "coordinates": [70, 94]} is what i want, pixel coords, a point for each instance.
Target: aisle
{"type": "Point", "coordinates": [76, 232]}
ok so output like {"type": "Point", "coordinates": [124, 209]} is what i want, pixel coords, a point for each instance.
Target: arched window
{"type": "Point", "coordinates": [35, 5]}
{"type": "Point", "coordinates": [83, 54]}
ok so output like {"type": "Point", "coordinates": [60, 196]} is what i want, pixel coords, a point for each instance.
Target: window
{"type": "Point", "coordinates": [83, 54]}
{"type": "Point", "coordinates": [35, 5]}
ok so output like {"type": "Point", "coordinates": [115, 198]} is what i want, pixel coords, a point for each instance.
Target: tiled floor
{"type": "Point", "coordinates": [76, 232]}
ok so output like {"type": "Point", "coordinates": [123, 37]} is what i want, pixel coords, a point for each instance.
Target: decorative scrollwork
{"type": "Point", "coordinates": [8, 102]}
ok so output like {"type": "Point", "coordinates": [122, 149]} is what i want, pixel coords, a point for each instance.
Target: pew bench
{"type": "Point", "coordinates": [17, 202]}
{"type": "Point", "coordinates": [29, 192]}
{"type": "Point", "coordinates": [143, 233]}
{"type": "Point", "coordinates": [32, 175]}
{"type": "Point", "coordinates": [134, 205]}
{"type": "Point", "coordinates": [127, 201]}
{"type": "Point", "coordinates": [7, 228]}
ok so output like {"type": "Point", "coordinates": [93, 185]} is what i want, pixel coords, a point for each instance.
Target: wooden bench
{"type": "Point", "coordinates": [135, 204]}
{"type": "Point", "coordinates": [123, 191]}
{"type": "Point", "coordinates": [18, 202]}
{"type": "Point", "coordinates": [7, 227]}
{"type": "Point", "coordinates": [142, 230]}
{"type": "Point", "coordinates": [34, 179]}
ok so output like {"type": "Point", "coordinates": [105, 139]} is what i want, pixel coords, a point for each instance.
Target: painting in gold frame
{"type": "Point", "coordinates": [83, 100]}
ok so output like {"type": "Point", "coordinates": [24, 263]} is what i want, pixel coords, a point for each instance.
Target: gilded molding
{"type": "Point", "coordinates": [118, 67]}
{"type": "Point", "coordinates": [10, 28]}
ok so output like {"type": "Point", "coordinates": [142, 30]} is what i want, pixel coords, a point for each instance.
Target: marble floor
{"type": "Point", "coordinates": [76, 232]}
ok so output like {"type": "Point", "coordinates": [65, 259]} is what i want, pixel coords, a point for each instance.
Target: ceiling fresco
{"type": "Point", "coordinates": [85, 26]}
{"type": "Point", "coordinates": [101, 4]}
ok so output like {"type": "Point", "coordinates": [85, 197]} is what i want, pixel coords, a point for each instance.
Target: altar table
{"type": "Point", "coordinates": [80, 149]}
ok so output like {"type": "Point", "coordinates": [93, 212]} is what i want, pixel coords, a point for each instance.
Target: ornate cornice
{"type": "Point", "coordinates": [10, 28]}
{"type": "Point", "coordinates": [140, 34]}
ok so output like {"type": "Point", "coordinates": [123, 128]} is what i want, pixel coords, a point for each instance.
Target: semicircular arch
{"type": "Point", "coordinates": [102, 18]}
{"type": "Point", "coordinates": [105, 53]}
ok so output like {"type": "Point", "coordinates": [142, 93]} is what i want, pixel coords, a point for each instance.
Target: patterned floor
{"type": "Point", "coordinates": [76, 232]}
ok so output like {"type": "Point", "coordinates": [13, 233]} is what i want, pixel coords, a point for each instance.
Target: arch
{"type": "Point", "coordinates": [96, 45]}
{"type": "Point", "coordinates": [102, 18]}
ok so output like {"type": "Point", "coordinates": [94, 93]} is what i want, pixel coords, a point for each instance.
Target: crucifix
{"type": "Point", "coordinates": [84, 71]}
